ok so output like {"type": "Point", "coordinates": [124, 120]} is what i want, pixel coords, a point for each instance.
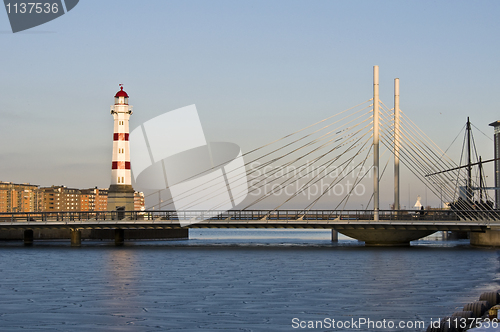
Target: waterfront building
{"type": "Point", "coordinates": [101, 200]}
{"type": "Point", "coordinates": [139, 204]}
{"type": "Point", "coordinates": [94, 199]}
{"type": "Point", "coordinates": [87, 199]}
{"type": "Point", "coordinates": [22, 197]}
{"type": "Point", "coordinates": [120, 192]}
{"type": "Point", "coordinates": [26, 197]}
{"type": "Point", "coordinates": [60, 198]}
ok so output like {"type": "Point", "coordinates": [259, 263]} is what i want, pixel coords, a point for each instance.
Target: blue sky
{"type": "Point", "coordinates": [256, 70]}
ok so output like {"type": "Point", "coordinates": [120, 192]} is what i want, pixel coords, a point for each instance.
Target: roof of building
{"type": "Point", "coordinates": [121, 93]}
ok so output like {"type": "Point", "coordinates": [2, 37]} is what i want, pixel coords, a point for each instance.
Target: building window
{"type": "Point", "coordinates": [118, 179]}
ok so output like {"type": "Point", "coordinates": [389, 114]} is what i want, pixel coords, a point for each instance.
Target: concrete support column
{"type": "Point", "coordinates": [119, 237]}
{"type": "Point", "coordinates": [76, 237]}
{"type": "Point", "coordinates": [335, 236]}
{"type": "Point", "coordinates": [490, 238]}
{"type": "Point", "coordinates": [28, 237]}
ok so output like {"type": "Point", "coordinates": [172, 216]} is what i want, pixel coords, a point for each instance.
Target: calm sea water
{"type": "Point", "coordinates": [236, 281]}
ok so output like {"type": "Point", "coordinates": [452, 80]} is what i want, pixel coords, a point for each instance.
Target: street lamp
{"type": "Point", "coordinates": [440, 192]}
{"type": "Point", "coordinates": [441, 187]}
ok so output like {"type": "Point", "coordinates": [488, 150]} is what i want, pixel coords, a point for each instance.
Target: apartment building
{"type": "Point", "coordinates": [60, 198]}
{"type": "Point", "coordinates": [93, 199]}
{"type": "Point", "coordinates": [22, 197]}
{"type": "Point", "coordinates": [32, 198]}
{"type": "Point", "coordinates": [139, 204]}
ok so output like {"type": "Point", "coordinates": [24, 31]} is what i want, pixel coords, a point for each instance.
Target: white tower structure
{"type": "Point", "coordinates": [418, 204]}
{"type": "Point", "coordinates": [121, 193]}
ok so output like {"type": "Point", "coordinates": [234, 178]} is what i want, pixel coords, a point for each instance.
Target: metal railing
{"type": "Point", "coordinates": [236, 215]}
{"type": "Point", "coordinates": [340, 215]}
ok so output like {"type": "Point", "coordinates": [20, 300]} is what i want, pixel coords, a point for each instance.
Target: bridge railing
{"type": "Point", "coordinates": [240, 215]}
{"type": "Point", "coordinates": [70, 216]}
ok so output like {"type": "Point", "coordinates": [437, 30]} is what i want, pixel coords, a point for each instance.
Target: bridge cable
{"type": "Point", "coordinates": [335, 131]}
{"type": "Point", "coordinates": [431, 187]}
{"type": "Point", "coordinates": [286, 136]}
{"type": "Point", "coordinates": [303, 156]}
{"type": "Point", "coordinates": [310, 182]}
{"type": "Point", "coordinates": [250, 162]}
{"type": "Point", "coordinates": [322, 166]}
{"type": "Point", "coordinates": [356, 143]}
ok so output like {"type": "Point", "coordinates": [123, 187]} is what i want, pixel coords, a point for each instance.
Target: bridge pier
{"type": "Point", "coordinates": [76, 237]}
{"type": "Point", "coordinates": [335, 236]}
{"type": "Point", "coordinates": [28, 237]}
{"type": "Point", "coordinates": [385, 237]}
{"type": "Point", "coordinates": [490, 238]}
{"type": "Point", "coordinates": [119, 237]}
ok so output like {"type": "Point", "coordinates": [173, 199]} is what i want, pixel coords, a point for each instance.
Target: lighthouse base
{"type": "Point", "coordinates": [120, 197]}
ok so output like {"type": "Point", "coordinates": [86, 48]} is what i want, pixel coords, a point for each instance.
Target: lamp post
{"type": "Point", "coordinates": [441, 197]}
{"type": "Point", "coordinates": [440, 193]}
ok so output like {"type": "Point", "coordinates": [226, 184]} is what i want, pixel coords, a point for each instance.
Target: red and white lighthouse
{"type": "Point", "coordinates": [121, 193]}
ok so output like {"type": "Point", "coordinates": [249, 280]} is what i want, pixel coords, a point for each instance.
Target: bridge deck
{"type": "Point", "coordinates": [437, 220]}
{"type": "Point", "coordinates": [444, 225]}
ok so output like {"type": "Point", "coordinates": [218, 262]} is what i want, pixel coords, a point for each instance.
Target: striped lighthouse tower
{"type": "Point", "coordinates": [121, 193]}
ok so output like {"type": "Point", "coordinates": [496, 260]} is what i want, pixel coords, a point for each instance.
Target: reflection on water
{"type": "Point", "coordinates": [234, 281]}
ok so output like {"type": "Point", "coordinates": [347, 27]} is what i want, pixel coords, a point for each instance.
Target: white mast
{"type": "Point", "coordinates": [375, 144]}
{"type": "Point", "coordinates": [397, 143]}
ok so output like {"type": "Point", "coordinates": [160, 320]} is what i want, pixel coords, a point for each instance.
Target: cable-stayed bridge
{"type": "Point", "coordinates": [342, 161]}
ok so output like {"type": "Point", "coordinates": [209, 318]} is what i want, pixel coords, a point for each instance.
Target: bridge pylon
{"type": "Point", "coordinates": [376, 158]}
